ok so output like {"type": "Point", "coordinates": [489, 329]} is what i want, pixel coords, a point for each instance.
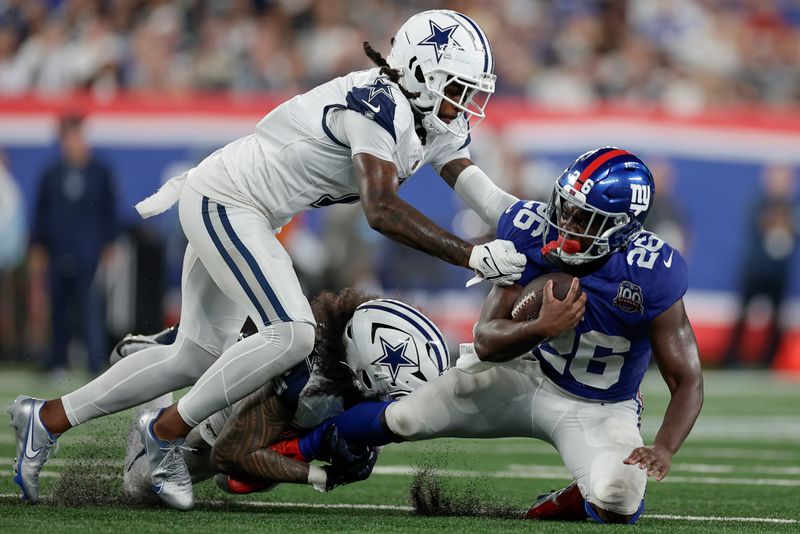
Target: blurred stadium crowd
{"type": "Point", "coordinates": [682, 54]}
{"type": "Point", "coordinates": [691, 59]}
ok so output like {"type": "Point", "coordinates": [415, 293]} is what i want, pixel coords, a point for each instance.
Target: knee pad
{"type": "Point", "coordinates": [610, 491]}
{"type": "Point", "coordinates": [403, 419]}
{"type": "Point", "coordinates": [465, 385]}
{"type": "Point", "coordinates": [617, 489]}
{"type": "Point", "coordinates": [295, 336]}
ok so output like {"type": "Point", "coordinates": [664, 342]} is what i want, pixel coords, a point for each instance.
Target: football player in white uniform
{"type": "Point", "coordinates": [571, 376]}
{"type": "Point", "coordinates": [354, 138]}
{"type": "Point", "coordinates": [366, 348]}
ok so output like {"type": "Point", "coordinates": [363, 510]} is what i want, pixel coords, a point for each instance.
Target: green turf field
{"type": "Point", "coordinates": [738, 472]}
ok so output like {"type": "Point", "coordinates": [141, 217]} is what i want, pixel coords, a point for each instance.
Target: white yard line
{"type": "Point", "coordinates": [396, 508]}
{"type": "Point", "coordinates": [716, 518]}
{"type": "Point", "coordinates": [524, 470]}
{"type": "Point", "coordinates": [553, 472]}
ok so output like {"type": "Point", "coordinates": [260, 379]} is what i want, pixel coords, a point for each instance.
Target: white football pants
{"type": "Point", "coordinates": [517, 400]}
{"type": "Point", "coordinates": [234, 267]}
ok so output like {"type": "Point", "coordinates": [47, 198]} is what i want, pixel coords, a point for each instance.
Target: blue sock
{"type": "Point", "coordinates": [592, 513]}
{"type": "Point", "coordinates": [360, 425]}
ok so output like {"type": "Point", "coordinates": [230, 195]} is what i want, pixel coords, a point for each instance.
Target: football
{"type": "Point", "coordinates": [529, 302]}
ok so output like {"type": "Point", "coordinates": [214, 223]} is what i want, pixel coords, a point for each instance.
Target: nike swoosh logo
{"type": "Point", "coordinates": [375, 109]}
{"type": "Point", "coordinates": [30, 452]}
{"type": "Point", "coordinates": [668, 261]}
{"type": "Point", "coordinates": [157, 488]}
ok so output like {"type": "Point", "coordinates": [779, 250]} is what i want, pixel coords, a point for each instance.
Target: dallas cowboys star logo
{"type": "Point", "coordinates": [394, 357]}
{"type": "Point", "coordinates": [440, 38]}
{"type": "Point", "coordinates": [379, 87]}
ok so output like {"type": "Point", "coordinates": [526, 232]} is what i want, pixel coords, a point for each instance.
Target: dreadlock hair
{"type": "Point", "coordinates": [394, 75]}
{"type": "Point", "coordinates": [333, 310]}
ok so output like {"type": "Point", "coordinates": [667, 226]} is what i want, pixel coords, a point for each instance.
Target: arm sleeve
{"type": "Point", "coordinates": [362, 134]}
{"type": "Point", "coordinates": [482, 195]}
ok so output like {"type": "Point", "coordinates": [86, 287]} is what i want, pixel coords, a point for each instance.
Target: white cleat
{"type": "Point", "coordinates": [168, 472]}
{"type": "Point", "coordinates": [34, 445]}
{"type": "Point", "coordinates": [133, 343]}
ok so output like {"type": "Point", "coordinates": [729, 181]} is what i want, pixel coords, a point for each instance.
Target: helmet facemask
{"type": "Point", "coordinates": [469, 98]}
{"type": "Point", "coordinates": [599, 230]}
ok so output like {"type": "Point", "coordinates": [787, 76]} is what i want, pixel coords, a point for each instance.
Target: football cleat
{"type": "Point", "coordinates": [34, 445]}
{"type": "Point", "coordinates": [241, 485]}
{"type": "Point", "coordinates": [168, 472]}
{"type": "Point", "coordinates": [563, 505]}
{"type": "Point", "coordinates": [132, 343]}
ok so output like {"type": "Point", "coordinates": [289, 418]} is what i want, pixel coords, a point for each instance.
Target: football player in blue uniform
{"type": "Point", "coordinates": [571, 376]}
{"type": "Point", "coordinates": [356, 138]}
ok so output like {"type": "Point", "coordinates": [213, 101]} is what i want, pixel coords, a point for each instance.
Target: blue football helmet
{"type": "Point", "coordinates": [598, 205]}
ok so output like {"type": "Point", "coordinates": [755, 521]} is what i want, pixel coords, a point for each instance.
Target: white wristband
{"type": "Point", "coordinates": [317, 477]}
{"type": "Point", "coordinates": [482, 195]}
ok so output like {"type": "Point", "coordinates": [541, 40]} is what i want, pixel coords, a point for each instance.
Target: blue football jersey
{"type": "Point", "coordinates": [606, 355]}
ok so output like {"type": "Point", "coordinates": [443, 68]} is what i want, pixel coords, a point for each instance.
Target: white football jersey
{"type": "Point", "coordinates": [300, 156]}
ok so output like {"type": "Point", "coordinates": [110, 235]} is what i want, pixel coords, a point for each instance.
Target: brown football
{"type": "Point", "coordinates": [529, 302]}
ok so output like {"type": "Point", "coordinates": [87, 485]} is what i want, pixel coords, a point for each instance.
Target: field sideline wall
{"type": "Point", "coordinates": [717, 158]}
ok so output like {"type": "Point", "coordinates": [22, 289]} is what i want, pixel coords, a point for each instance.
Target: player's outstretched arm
{"type": "Point", "coordinates": [477, 190]}
{"type": "Point", "coordinates": [390, 215]}
{"type": "Point", "coordinates": [242, 446]}
{"type": "Point", "coordinates": [499, 339]}
{"type": "Point", "coordinates": [396, 219]}
{"type": "Point", "coordinates": [675, 350]}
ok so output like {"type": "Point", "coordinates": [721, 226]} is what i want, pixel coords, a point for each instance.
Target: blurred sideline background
{"type": "Point", "coordinates": [707, 92]}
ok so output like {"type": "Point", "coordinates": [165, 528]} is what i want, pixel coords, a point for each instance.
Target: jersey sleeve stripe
{"type": "Point", "coordinates": [325, 128]}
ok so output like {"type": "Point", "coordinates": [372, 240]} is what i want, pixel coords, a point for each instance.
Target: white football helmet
{"type": "Point", "coordinates": [393, 348]}
{"type": "Point", "coordinates": [436, 48]}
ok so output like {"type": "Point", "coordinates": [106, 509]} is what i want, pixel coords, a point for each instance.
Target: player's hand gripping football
{"type": "Point", "coordinates": [558, 316]}
{"type": "Point", "coordinates": [497, 261]}
{"type": "Point", "coordinates": [348, 463]}
{"type": "Point", "coordinates": [656, 460]}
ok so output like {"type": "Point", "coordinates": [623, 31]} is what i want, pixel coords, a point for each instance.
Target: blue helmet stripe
{"type": "Point", "coordinates": [487, 50]}
{"type": "Point", "coordinates": [423, 331]}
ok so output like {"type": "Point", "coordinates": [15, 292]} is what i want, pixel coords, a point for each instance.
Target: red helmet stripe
{"type": "Point", "coordinates": [589, 170]}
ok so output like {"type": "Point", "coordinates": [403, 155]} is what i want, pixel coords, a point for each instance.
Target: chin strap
{"type": "Point", "coordinates": [570, 246]}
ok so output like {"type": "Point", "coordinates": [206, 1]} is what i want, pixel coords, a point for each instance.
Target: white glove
{"type": "Point", "coordinates": [497, 261]}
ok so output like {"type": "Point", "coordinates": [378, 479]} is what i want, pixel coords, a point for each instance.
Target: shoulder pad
{"type": "Point", "coordinates": [377, 102]}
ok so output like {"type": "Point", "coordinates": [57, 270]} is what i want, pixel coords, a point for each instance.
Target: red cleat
{"type": "Point", "coordinates": [241, 486]}
{"type": "Point", "coordinates": [562, 505]}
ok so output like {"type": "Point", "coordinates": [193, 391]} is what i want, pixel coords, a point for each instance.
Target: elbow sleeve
{"type": "Point", "coordinates": [482, 195]}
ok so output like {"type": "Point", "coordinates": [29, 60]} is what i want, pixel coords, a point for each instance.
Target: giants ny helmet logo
{"type": "Point", "coordinates": [640, 198]}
